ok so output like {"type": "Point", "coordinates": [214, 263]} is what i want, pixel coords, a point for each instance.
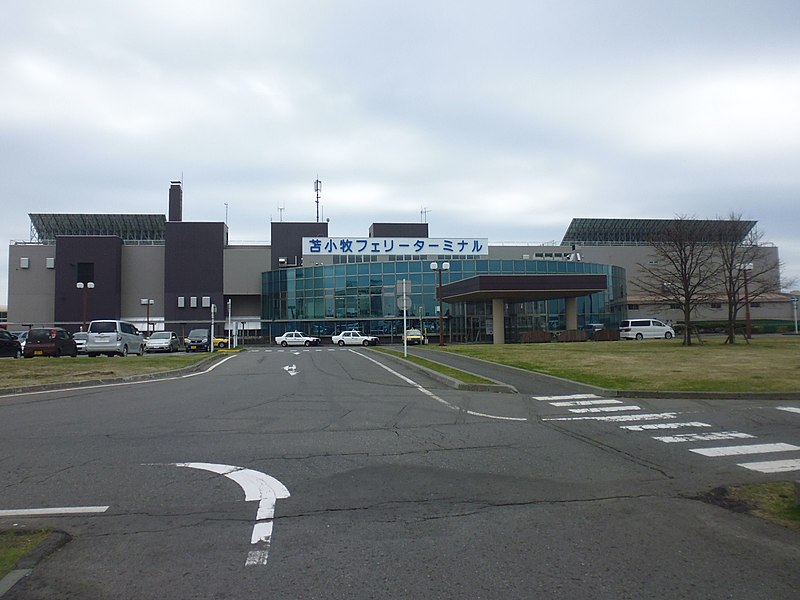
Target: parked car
{"type": "Point", "coordinates": [114, 338]}
{"type": "Point", "coordinates": [50, 341]}
{"type": "Point", "coordinates": [354, 338]}
{"type": "Point", "coordinates": [638, 329]}
{"type": "Point", "coordinates": [80, 340]}
{"type": "Point", "coordinates": [296, 338]}
{"type": "Point", "coordinates": [221, 342]}
{"type": "Point", "coordinates": [413, 336]}
{"type": "Point", "coordinates": [197, 341]}
{"type": "Point", "coordinates": [162, 341]}
{"type": "Point", "coordinates": [22, 336]}
{"type": "Point", "coordinates": [9, 345]}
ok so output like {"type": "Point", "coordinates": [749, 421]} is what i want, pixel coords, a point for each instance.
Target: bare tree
{"type": "Point", "coordinates": [684, 269]}
{"type": "Point", "coordinates": [748, 269]}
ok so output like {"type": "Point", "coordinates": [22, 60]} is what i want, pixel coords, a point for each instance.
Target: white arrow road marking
{"type": "Point", "coordinates": [257, 486]}
{"type": "Point", "coordinates": [291, 369]}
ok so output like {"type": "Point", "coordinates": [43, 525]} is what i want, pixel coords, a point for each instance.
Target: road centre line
{"type": "Point", "coordinates": [56, 511]}
{"type": "Point", "coordinates": [434, 396]}
{"type": "Point", "coordinates": [773, 466]}
{"type": "Point", "coordinates": [739, 450]}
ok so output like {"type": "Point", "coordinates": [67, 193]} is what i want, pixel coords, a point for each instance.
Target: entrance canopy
{"type": "Point", "coordinates": [523, 288]}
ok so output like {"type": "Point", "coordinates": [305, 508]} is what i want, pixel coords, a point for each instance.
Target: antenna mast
{"type": "Point", "coordinates": [317, 189]}
{"type": "Point", "coordinates": [423, 214]}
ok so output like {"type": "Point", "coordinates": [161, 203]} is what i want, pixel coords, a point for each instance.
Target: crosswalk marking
{"type": "Point", "coordinates": [773, 466]}
{"type": "Point", "coordinates": [752, 449]}
{"type": "Point", "coordinates": [649, 426]}
{"type": "Point", "coordinates": [788, 409]}
{"type": "Point", "coordinates": [702, 437]}
{"type": "Point", "coordinates": [586, 402]}
{"type": "Point", "coordinates": [567, 397]}
{"type": "Point", "coordinates": [619, 418]}
{"type": "Point", "coordinates": [603, 409]}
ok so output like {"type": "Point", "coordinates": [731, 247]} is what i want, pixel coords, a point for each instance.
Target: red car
{"type": "Point", "coordinates": [50, 341]}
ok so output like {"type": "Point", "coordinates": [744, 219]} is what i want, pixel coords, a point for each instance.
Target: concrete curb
{"type": "Point", "coordinates": [496, 387]}
{"type": "Point", "coordinates": [25, 565]}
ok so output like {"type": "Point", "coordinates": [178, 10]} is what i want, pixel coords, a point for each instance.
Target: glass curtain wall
{"type": "Point", "coordinates": [323, 300]}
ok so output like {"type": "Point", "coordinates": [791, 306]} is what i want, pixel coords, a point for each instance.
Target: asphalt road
{"type": "Point", "coordinates": [399, 487]}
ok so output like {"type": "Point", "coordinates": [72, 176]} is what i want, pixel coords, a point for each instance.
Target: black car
{"type": "Point", "coordinates": [50, 341]}
{"type": "Point", "coordinates": [9, 345]}
{"type": "Point", "coordinates": [197, 341]}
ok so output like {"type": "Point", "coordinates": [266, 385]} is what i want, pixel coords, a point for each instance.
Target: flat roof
{"type": "Point", "coordinates": [523, 288]}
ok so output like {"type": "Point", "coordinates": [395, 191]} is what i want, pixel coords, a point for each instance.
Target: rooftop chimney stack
{"type": "Point", "coordinates": [175, 201]}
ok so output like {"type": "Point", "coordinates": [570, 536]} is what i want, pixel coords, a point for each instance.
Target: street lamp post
{"type": "Point", "coordinates": [148, 303]}
{"type": "Point", "coordinates": [748, 327]}
{"type": "Point", "coordinates": [794, 307]}
{"type": "Point", "coordinates": [85, 287]}
{"type": "Point", "coordinates": [445, 266]}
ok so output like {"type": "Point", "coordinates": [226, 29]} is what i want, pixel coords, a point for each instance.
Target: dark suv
{"type": "Point", "coordinates": [9, 345]}
{"type": "Point", "coordinates": [50, 341]}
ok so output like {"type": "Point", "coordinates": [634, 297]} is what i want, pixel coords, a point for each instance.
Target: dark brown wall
{"type": "Point", "coordinates": [105, 300]}
{"type": "Point", "coordinates": [415, 230]}
{"type": "Point", "coordinates": [193, 266]}
{"type": "Point", "coordinates": [287, 241]}
{"type": "Point", "coordinates": [175, 201]}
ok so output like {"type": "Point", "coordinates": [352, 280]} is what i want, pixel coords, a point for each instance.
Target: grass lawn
{"type": "Point", "coordinates": [14, 544]}
{"type": "Point", "coordinates": [42, 370]}
{"type": "Point", "coordinates": [769, 363]}
{"type": "Point", "coordinates": [439, 368]}
{"type": "Point", "coordinates": [772, 501]}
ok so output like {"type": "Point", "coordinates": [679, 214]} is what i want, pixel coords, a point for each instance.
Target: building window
{"type": "Point", "coordinates": [181, 302]}
{"type": "Point", "coordinates": [24, 263]}
{"type": "Point", "coordinates": [193, 302]}
{"type": "Point", "coordinates": [633, 307]}
{"type": "Point", "coordinates": [716, 305]}
{"type": "Point", "coordinates": [206, 301]}
{"type": "Point", "coordinates": [755, 304]}
{"type": "Point", "coordinates": [675, 306]}
{"type": "Point", "coordinates": [50, 262]}
{"type": "Point", "coordinates": [85, 272]}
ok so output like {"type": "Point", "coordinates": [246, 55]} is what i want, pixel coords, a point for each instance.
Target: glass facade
{"type": "Point", "coordinates": [324, 299]}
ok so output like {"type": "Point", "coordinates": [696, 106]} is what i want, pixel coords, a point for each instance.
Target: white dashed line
{"type": "Point", "coordinates": [773, 466]}
{"type": "Point", "coordinates": [603, 409]}
{"type": "Point", "coordinates": [649, 426]}
{"type": "Point", "coordinates": [619, 418]}
{"type": "Point", "coordinates": [569, 397]}
{"type": "Point", "coordinates": [703, 437]}
{"type": "Point", "coordinates": [586, 402]}
{"type": "Point", "coordinates": [739, 450]}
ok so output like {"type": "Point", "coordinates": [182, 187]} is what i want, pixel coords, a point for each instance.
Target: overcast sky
{"type": "Point", "coordinates": [501, 119]}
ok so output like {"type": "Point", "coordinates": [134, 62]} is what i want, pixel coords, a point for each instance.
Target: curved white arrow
{"type": "Point", "coordinates": [257, 486]}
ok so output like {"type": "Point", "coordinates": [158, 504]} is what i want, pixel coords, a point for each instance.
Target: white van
{"type": "Point", "coordinates": [638, 329]}
{"type": "Point", "coordinates": [114, 337]}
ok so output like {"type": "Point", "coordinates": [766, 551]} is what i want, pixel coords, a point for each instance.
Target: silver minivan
{"type": "Point", "coordinates": [114, 338]}
{"type": "Point", "coordinates": [638, 329]}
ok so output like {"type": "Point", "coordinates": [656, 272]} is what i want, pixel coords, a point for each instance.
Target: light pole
{"type": "Point", "coordinates": [211, 333]}
{"type": "Point", "coordinates": [794, 307]}
{"type": "Point", "coordinates": [748, 327]}
{"type": "Point", "coordinates": [148, 303]}
{"type": "Point", "coordinates": [85, 287]}
{"type": "Point", "coordinates": [444, 267]}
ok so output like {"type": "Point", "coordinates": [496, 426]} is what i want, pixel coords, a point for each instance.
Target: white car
{"type": "Point", "coordinates": [296, 338]}
{"type": "Point", "coordinates": [638, 329]}
{"type": "Point", "coordinates": [162, 341]}
{"type": "Point", "coordinates": [354, 338]}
